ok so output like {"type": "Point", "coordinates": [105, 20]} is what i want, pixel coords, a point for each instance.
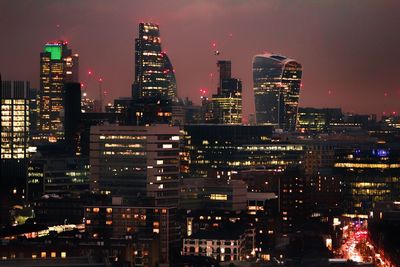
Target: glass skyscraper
{"type": "Point", "coordinates": [154, 74]}
{"type": "Point", "coordinates": [57, 66]}
{"type": "Point", "coordinates": [277, 81]}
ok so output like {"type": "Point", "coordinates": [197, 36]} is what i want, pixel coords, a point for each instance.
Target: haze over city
{"type": "Point", "coordinates": [348, 49]}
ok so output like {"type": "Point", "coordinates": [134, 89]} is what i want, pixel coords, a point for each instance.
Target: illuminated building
{"type": "Point", "coordinates": [293, 204]}
{"type": "Point", "coordinates": [216, 150]}
{"type": "Point", "coordinates": [221, 244]}
{"type": "Point", "coordinates": [16, 113]}
{"type": "Point", "coordinates": [212, 194]}
{"type": "Point", "coordinates": [225, 107]}
{"type": "Point", "coordinates": [143, 111]}
{"type": "Point", "coordinates": [16, 98]}
{"type": "Point", "coordinates": [154, 74]}
{"type": "Point", "coordinates": [53, 171]}
{"type": "Point", "coordinates": [87, 103]}
{"type": "Point", "coordinates": [277, 81]}
{"type": "Point", "coordinates": [368, 175]}
{"type": "Point", "coordinates": [153, 229]}
{"type": "Point", "coordinates": [57, 66]}
{"type": "Point", "coordinates": [136, 162]}
{"type": "Point", "coordinates": [313, 120]}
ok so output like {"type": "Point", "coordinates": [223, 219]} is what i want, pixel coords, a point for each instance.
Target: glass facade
{"type": "Point", "coordinates": [219, 150]}
{"type": "Point", "coordinates": [154, 74]}
{"type": "Point", "coordinates": [15, 119]}
{"type": "Point", "coordinates": [368, 176]}
{"type": "Point", "coordinates": [136, 161]}
{"type": "Point", "coordinates": [277, 81]}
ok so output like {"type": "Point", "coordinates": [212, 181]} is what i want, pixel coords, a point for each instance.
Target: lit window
{"type": "Point", "coordinates": [63, 254]}
{"type": "Point", "coordinates": [96, 210]}
{"type": "Point", "coordinates": [167, 146]}
{"type": "Point", "coordinates": [53, 254]}
{"type": "Point", "coordinates": [218, 197]}
{"type": "Point", "coordinates": [43, 254]}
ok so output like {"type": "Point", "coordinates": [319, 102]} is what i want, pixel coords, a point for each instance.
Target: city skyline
{"type": "Point", "coordinates": [342, 59]}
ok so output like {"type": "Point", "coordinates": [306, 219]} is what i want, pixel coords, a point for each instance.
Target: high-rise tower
{"type": "Point", "coordinates": [57, 66]}
{"type": "Point", "coordinates": [277, 82]}
{"type": "Point", "coordinates": [154, 74]}
{"type": "Point", "coordinates": [226, 105]}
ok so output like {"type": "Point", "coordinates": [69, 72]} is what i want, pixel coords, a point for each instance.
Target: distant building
{"type": "Point", "coordinates": [58, 65]}
{"type": "Point", "coordinates": [154, 74]}
{"type": "Point", "coordinates": [369, 175]}
{"type": "Point", "coordinates": [136, 162]}
{"type": "Point", "coordinates": [52, 170]}
{"type": "Point", "coordinates": [314, 120]}
{"type": "Point", "coordinates": [235, 243]}
{"type": "Point", "coordinates": [225, 107]}
{"type": "Point", "coordinates": [215, 150]}
{"type": "Point", "coordinates": [213, 194]}
{"type": "Point", "coordinates": [277, 82]}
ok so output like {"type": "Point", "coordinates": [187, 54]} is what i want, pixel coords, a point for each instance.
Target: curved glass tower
{"type": "Point", "coordinates": [276, 83]}
{"type": "Point", "coordinates": [154, 75]}
{"type": "Point", "coordinates": [169, 73]}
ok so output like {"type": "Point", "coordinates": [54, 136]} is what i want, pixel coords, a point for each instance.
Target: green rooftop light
{"type": "Point", "coordinates": [55, 51]}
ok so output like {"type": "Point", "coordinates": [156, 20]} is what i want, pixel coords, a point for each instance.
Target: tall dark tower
{"type": "Point", "coordinates": [72, 116]}
{"type": "Point", "coordinates": [57, 66]}
{"type": "Point", "coordinates": [225, 72]}
{"type": "Point", "coordinates": [276, 82]}
{"type": "Point", "coordinates": [154, 75]}
{"type": "Point", "coordinates": [226, 105]}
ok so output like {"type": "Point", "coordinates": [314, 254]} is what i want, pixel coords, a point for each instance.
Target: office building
{"type": "Point", "coordinates": [16, 114]}
{"type": "Point", "coordinates": [216, 150]}
{"type": "Point", "coordinates": [316, 120]}
{"type": "Point", "coordinates": [58, 65]}
{"type": "Point", "coordinates": [136, 162]}
{"type": "Point", "coordinates": [53, 170]}
{"type": "Point", "coordinates": [231, 243]}
{"type": "Point", "coordinates": [225, 107]}
{"type": "Point", "coordinates": [153, 229]}
{"type": "Point", "coordinates": [154, 74]}
{"type": "Point", "coordinates": [277, 82]}
{"type": "Point", "coordinates": [368, 175]}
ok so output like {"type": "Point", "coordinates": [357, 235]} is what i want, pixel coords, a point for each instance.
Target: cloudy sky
{"type": "Point", "coordinates": [349, 49]}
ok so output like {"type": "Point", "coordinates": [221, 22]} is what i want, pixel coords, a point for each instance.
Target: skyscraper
{"type": "Point", "coordinates": [277, 81]}
{"type": "Point", "coordinates": [154, 74]}
{"type": "Point", "coordinates": [57, 66]}
{"type": "Point", "coordinates": [227, 103]}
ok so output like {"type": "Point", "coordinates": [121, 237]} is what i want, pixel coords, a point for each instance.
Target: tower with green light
{"type": "Point", "coordinates": [58, 65]}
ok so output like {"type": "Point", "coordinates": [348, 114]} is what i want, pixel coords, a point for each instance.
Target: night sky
{"type": "Point", "coordinates": [349, 49]}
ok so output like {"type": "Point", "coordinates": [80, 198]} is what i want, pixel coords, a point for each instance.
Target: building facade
{"type": "Point", "coordinates": [58, 65]}
{"type": "Point", "coordinates": [16, 99]}
{"type": "Point", "coordinates": [153, 229]}
{"type": "Point", "coordinates": [277, 82]}
{"type": "Point", "coordinates": [154, 74]}
{"type": "Point", "coordinates": [136, 161]}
